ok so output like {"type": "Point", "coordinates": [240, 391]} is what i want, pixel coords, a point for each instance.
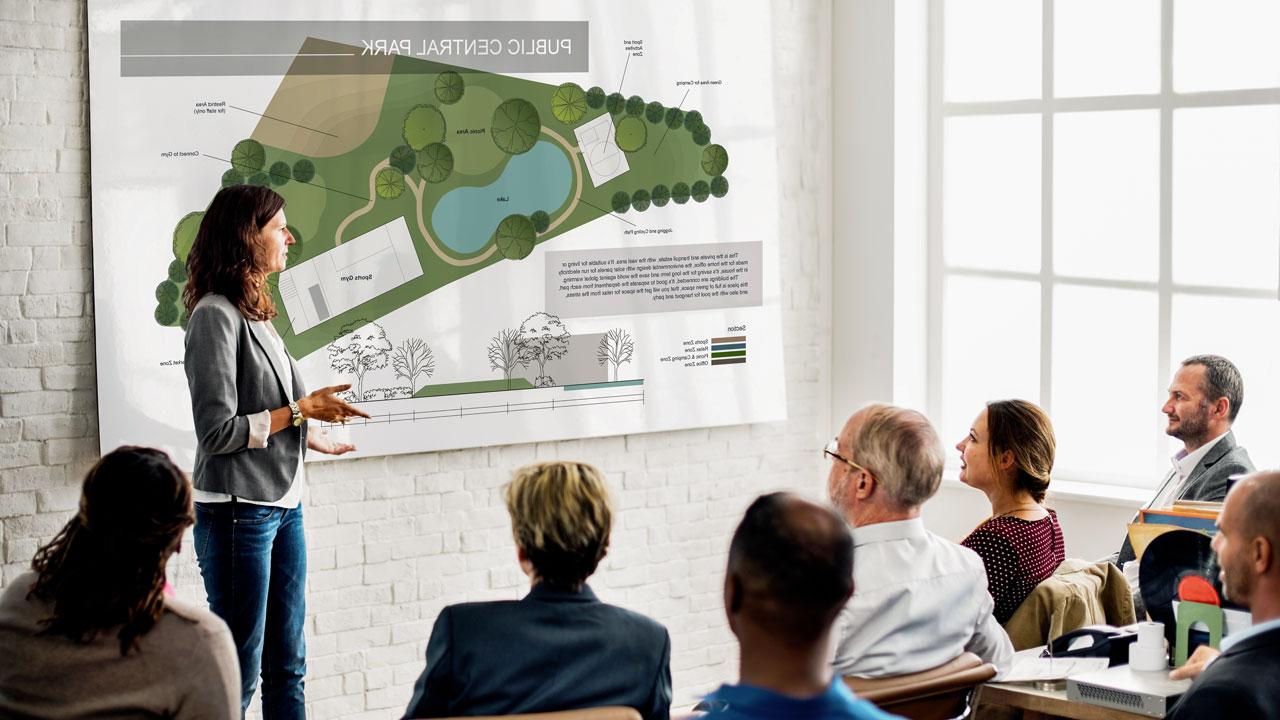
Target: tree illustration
{"type": "Point", "coordinates": [674, 118]}
{"type": "Point", "coordinates": [701, 190]}
{"type": "Point", "coordinates": [280, 172]}
{"type": "Point", "coordinates": [541, 220]}
{"type": "Point", "coordinates": [361, 346]}
{"type": "Point", "coordinates": [719, 186]}
{"type": "Point", "coordinates": [436, 163]}
{"type": "Point", "coordinates": [248, 156]}
{"type": "Point", "coordinates": [640, 200]}
{"type": "Point", "coordinates": [232, 177]}
{"type": "Point", "coordinates": [615, 103]}
{"type": "Point", "coordinates": [504, 353]}
{"type": "Point", "coordinates": [680, 193]}
{"type": "Point", "coordinates": [411, 359]}
{"type": "Point", "coordinates": [701, 135]}
{"type": "Point", "coordinates": [389, 183]}
{"type": "Point", "coordinates": [653, 112]}
{"type": "Point", "coordinates": [304, 170]}
{"type": "Point", "coordinates": [449, 87]}
{"type": "Point", "coordinates": [631, 134]}
{"type": "Point", "coordinates": [542, 338]}
{"type": "Point", "coordinates": [423, 125]}
{"type": "Point", "coordinates": [403, 158]}
{"type": "Point", "coordinates": [621, 201]}
{"type": "Point", "coordinates": [516, 126]}
{"type": "Point", "coordinates": [714, 160]}
{"type": "Point", "coordinates": [177, 271]}
{"type": "Point", "coordinates": [615, 348]}
{"type": "Point", "coordinates": [692, 119]}
{"type": "Point", "coordinates": [595, 98]}
{"type": "Point", "coordinates": [635, 106]}
{"type": "Point", "coordinates": [661, 194]}
{"type": "Point", "coordinates": [568, 103]}
{"type": "Point", "coordinates": [515, 237]}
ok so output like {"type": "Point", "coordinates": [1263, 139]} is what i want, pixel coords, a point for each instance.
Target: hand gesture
{"type": "Point", "coordinates": [324, 405]}
{"type": "Point", "coordinates": [1195, 664]}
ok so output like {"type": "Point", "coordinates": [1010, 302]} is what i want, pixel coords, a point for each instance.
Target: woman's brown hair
{"type": "Point", "coordinates": [228, 253]}
{"type": "Point", "coordinates": [106, 568]}
{"type": "Point", "coordinates": [561, 516]}
{"type": "Point", "coordinates": [1023, 429]}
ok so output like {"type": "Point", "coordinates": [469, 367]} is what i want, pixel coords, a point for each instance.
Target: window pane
{"type": "Point", "coordinates": [1106, 193]}
{"type": "Point", "coordinates": [991, 348]}
{"type": "Point", "coordinates": [1104, 47]}
{"type": "Point", "coordinates": [992, 49]}
{"type": "Point", "coordinates": [1226, 196]}
{"type": "Point", "coordinates": [1225, 44]}
{"type": "Point", "coordinates": [991, 192]}
{"type": "Point", "coordinates": [1243, 331]}
{"type": "Point", "coordinates": [1106, 401]}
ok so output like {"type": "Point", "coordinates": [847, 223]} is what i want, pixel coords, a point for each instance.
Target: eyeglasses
{"type": "Point", "coordinates": [832, 450]}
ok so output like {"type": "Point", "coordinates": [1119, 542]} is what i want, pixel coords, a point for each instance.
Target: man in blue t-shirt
{"type": "Point", "coordinates": [790, 571]}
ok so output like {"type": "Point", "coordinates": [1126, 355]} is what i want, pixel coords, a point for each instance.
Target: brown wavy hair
{"type": "Point", "coordinates": [1024, 429]}
{"type": "Point", "coordinates": [228, 255]}
{"type": "Point", "coordinates": [106, 568]}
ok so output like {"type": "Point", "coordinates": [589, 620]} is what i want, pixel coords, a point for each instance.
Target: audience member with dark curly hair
{"type": "Point", "coordinates": [90, 633]}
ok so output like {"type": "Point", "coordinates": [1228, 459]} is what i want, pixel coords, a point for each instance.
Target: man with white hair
{"type": "Point", "coordinates": [919, 601]}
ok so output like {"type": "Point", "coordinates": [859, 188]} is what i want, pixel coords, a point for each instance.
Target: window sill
{"type": "Point", "coordinates": [1079, 492]}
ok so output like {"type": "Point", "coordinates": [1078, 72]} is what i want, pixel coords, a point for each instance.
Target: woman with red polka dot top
{"type": "Point", "coordinates": [1008, 455]}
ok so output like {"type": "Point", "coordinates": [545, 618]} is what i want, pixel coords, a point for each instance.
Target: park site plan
{"type": "Point", "coordinates": [507, 229]}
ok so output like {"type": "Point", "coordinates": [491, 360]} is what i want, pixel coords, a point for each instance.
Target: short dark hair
{"type": "Point", "coordinates": [1221, 379]}
{"type": "Point", "coordinates": [795, 562]}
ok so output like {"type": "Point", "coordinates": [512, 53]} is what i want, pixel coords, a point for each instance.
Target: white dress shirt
{"type": "Point", "coordinates": [918, 601]}
{"type": "Point", "coordinates": [1183, 463]}
{"type": "Point", "coordinates": [259, 434]}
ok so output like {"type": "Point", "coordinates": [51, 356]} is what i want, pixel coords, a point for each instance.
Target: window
{"type": "Point", "coordinates": [1103, 201]}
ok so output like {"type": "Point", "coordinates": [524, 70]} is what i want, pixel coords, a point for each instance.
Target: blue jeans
{"type": "Point", "coordinates": [254, 562]}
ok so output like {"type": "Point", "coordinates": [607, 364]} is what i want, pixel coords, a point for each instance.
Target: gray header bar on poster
{"type": "Point", "coordinates": [177, 48]}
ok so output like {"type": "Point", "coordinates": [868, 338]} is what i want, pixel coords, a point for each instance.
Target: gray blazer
{"type": "Point", "coordinates": [1208, 482]}
{"type": "Point", "coordinates": [232, 373]}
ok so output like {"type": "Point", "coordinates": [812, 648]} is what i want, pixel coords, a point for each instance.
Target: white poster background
{"type": "Point", "coordinates": [138, 196]}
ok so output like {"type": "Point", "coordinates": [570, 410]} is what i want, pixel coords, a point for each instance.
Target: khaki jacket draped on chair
{"type": "Point", "coordinates": [1079, 593]}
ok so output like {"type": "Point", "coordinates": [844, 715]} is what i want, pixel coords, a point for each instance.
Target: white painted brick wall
{"type": "Point", "coordinates": [392, 540]}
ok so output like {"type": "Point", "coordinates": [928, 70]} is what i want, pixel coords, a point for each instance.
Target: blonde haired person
{"type": "Point", "coordinates": [558, 648]}
{"type": "Point", "coordinates": [1008, 455]}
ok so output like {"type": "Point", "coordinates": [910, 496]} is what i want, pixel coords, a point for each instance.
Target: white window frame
{"type": "Point", "coordinates": [1048, 107]}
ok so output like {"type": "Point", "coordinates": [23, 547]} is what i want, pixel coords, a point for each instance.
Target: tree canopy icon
{"type": "Point", "coordinates": [449, 87]}
{"type": "Point", "coordinates": [543, 338]}
{"type": "Point", "coordinates": [715, 159]}
{"type": "Point", "coordinates": [515, 237]}
{"type": "Point", "coordinates": [411, 359]}
{"type": "Point", "coordinates": [361, 346]}
{"type": "Point", "coordinates": [403, 158]}
{"type": "Point", "coordinates": [568, 103]}
{"type": "Point", "coordinates": [248, 157]}
{"type": "Point", "coordinates": [504, 353]}
{"type": "Point", "coordinates": [435, 163]}
{"type": "Point", "coordinates": [389, 183]}
{"type": "Point", "coordinates": [631, 134]}
{"type": "Point", "coordinates": [304, 170]}
{"type": "Point", "coordinates": [516, 126]}
{"type": "Point", "coordinates": [615, 348]}
{"type": "Point", "coordinates": [595, 97]}
{"type": "Point", "coordinates": [423, 125]}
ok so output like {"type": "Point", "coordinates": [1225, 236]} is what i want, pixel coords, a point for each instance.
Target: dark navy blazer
{"type": "Point", "coordinates": [1240, 684]}
{"type": "Point", "coordinates": [552, 650]}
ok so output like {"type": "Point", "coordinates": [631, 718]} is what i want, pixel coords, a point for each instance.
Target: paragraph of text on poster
{"type": "Point", "coordinates": [625, 281]}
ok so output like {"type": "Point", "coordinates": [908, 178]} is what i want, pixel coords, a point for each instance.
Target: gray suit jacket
{"type": "Point", "coordinates": [232, 373]}
{"type": "Point", "coordinates": [1209, 480]}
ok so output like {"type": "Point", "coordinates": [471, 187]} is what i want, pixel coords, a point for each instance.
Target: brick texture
{"type": "Point", "coordinates": [392, 540]}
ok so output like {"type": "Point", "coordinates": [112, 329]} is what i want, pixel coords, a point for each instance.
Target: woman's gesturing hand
{"type": "Point", "coordinates": [324, 405]}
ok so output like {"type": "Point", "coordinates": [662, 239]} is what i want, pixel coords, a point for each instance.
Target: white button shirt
{"type": "Point", "coordinates": [918, 602]}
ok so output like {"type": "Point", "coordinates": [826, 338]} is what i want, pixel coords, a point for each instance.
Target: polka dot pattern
{"type": "Point", "coordinates": [1018, 555]}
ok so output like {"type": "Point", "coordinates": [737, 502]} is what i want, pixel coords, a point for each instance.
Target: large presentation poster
{"type": "Point", "coordinates": [515, 222]}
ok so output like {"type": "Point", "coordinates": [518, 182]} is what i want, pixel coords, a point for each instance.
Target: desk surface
{"type": "Point", "coordinates": [1047, 703]}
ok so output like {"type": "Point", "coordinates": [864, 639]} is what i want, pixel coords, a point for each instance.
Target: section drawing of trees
{"type": "Point", "coordinates": [542, 338]}
{"type": "Point", "coordinates": [504, 353]}
{"type": "Point", "coordinates": [615, 348]}
{"type": "Point", "coordinates": [361, 346]}
{"type": "Point", "coordinates": [412, 359]}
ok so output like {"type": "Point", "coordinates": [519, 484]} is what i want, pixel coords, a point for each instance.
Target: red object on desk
{"type": "Point", "coordinates": [1194, 588]}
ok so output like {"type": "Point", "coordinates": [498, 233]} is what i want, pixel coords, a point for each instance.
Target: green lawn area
{"type": "Point", "coordinates": [478, 386]}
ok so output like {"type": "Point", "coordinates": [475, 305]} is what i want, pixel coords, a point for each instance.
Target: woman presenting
{"type": "Point", "coordinates": [251, 412]}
